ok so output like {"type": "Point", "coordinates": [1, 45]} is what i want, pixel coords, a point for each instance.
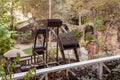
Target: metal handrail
{"type": "Point", "coordinates": [67, 66]}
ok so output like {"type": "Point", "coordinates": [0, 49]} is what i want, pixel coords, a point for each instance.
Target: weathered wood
{"type": "Point", "coordinates": [100, 71]}
{"type": "Point", "coordinates": [68, 41]}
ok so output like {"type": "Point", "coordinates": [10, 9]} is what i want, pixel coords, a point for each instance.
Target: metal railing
{"type": "Point", "coordinates": [45, 71]}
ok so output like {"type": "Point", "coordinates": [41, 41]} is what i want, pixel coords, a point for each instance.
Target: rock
{"type": "Point", "coordinates": [83, 53]}
{"type": "Point", "coordinates": [117, 52]}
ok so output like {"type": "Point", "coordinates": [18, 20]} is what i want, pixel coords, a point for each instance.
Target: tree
{"type": "Point", "coordinates": [4, 16]}
{"type": "Point", "coordinates": [101, 10]}
{"type": "Point", "coordinates": [97, 7]}
{"type": "Point", "coordinates": [38, 8]}
{"type": "Point", "coordinates": [6, 40]}
{"type": "Point", "coordinates": [7, 8]}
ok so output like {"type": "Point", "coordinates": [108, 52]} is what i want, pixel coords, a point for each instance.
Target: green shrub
{"type": "Point", "coordinates": [77, 33]}
{"type": "Point", "coordinates": [89, 36]}
{"type": "Point", "coordinates": [52, 51]}
{"type": "Point", "coordinates": [116, 72]}
{"type": "Point", "coordinates": [10, 68]}
{"type": "Point", "coordinates": [24, 37]}
{"type": "Point", "coordinates": [6, 40]}
{"type": "Point", "coordinates": [84, 20]}
{"type": "Point", "coordinates": [100, 27]}
{"type": "Point", "coordinates": [84, 43]}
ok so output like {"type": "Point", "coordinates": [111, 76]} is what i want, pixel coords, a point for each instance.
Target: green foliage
{"type": "Point", "coordinates": [24, 37]}
{"type": "Point", "coordinates": [89, 36]}
{"type": "Point", "coordinates": [10, 67]}
{"type": "Point", "coordinates": [13, 65]}
{"type": "Point", "coordinates": [99, 19]}
{"type": "Point", "coordinates": [6, 40]}
{"type": "Point", "coordinates": [99, 25]}
{"type": "Point", "coordinates": [84, 20]}
{"type": "Point", "coordinates": [100, 42]}
{"type": "Point", "coordinates": [52, 51]}
{"type": "Point", "coordinates": [116, 72]}
{"type": "Point", "coordinates": [96, 56]}
{"type": "Point", "coordinates": [2, 69]}
{"type": "Point", "coordinates": [97, 7]}
{"type": "Point", "coordinates": [28, 51]}
{"type": "Point", "coordinates": [111, 15]}
{"type": "Point", "coordinates": [4, 10]}
{"type": "Point", "coordinates": [7, 66]}
{"type": "Point", "coordinates": [100, 54]}
{"type": "Point", "coordinates": [37, 8]}
{"type": "Point", "coordinates": [29, 74]}
{"type": "Point", "coordinates": [84, 43]}
{"type": "Point", "coordinates": [117, 69]}
{"type": "Point", "coordinates": [77, 5]}
{"type": "Point", "coordinates": [77, 33]}
{"type": "Point", "coordinates": [7, 8]}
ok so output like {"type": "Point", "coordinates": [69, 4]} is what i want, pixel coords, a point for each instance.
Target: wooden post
{"type": "Point", "coordinates": [46, 77]}
{"type": "Point", "coordinates": [12, 16]}
{"type": "Point", "coordinates": [100, 71]}
{"type": "Point", "coordinates": [47, 36]}
{"type": "Point", "coordinates": [50, 9]}
{"type": "Point", "coordinates": [79, 19]}
{"type": "Point", "coordinates": [57, 45]}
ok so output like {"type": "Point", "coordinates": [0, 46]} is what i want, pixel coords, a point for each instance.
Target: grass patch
{"type": "Point", "coordinates": [28, 51]}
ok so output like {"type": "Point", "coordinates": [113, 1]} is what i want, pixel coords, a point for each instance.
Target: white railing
{"type": "Point", "coordinates": [72, 65]}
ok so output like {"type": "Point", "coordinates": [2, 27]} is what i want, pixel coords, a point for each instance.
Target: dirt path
{"type": "Point", "coordinates": [68, 53]}
{"type": "Point", "coordinates": [23, 46]}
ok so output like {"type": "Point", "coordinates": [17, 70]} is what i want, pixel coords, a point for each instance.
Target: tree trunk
{"type": "Point", "coordinates": [94, 12]}
{"type": "Point", "coordinates": [12, 16]}
{"type": "Point", "coordinates": [50, 8]}
{"type": "Point", "coordinates": [79, 19]}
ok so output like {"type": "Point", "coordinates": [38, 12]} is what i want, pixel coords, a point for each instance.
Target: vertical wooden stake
{"type": "Point", "coordinates": [100, 71]}
{"type": "Point", "coordinates": [46, 77]}
{"type": "Point", "coordinates": [50, 10]}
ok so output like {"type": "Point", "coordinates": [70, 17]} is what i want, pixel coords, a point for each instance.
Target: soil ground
{"type": "Point", "coordinates": [23, 46]}
{"type": "Point", "coordinates": [68, 53]}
